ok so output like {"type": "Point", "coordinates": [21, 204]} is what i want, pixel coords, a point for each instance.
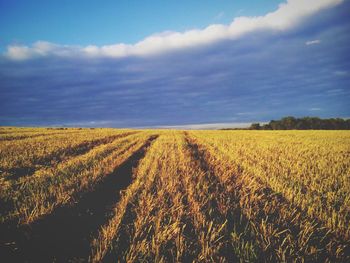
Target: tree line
{"type": "Point", "coordinates": [305, 123]}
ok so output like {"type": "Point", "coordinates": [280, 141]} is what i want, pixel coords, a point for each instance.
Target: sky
{"type": "Point", "coordinates": [176, 64]}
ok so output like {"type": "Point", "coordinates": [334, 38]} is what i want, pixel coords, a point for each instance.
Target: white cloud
{"type": "Point", "coordinates": [313, 42]}
{"type": "Point", "coordinates": [287, 15]}
{"type": "Point", "coordinates": [341, 73]}
{"type": "Point", "coordinates": [219, 16]}
{"type": "Point", "coordinates": [19, 52]}
{"type": "Point", "coordinates": [40, 49]}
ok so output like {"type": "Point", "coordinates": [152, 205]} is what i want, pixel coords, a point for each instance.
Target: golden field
{"type": "Point", "coordinates": [111, 195]}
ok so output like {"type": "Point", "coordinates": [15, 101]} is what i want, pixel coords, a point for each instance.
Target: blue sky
{"type": "Point", "coordinates": [84, 22]}
{"type": "Point", "coordinates": [164, 63]}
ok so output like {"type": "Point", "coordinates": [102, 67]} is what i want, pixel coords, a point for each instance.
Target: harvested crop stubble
{"type": "Point", "coordinates": [173, 212]}
{"type": "Point", "coordinates": [266, 167]}
{"type": "Point", "coordinates": [10, 136]}
{"type": "Point", "coordinates": [20, 158]}
{"type": "Point", "coordinates": [52, 187]}
{"type": "Point", "coordinates": [194, 196]}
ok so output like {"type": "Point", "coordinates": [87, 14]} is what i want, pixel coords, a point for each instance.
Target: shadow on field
{"type": "Point", "coordinates": [236, 221]}
{"type": "Point", "coordinates": [268, 207]}
{"type": "Point", "coordinates": [65, 235]}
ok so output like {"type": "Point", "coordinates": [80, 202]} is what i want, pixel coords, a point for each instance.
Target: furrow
{"type": "Point", "coordinates": [283, 231]}
{"type": "Point", "coordinates": [50, 160]}
{"type": "Point", "coordinates": [221, 209]}
{"type": "Point", "coordinates": [66, 233]}
{"type": "Point", "coordinates": [38, 195]}
{"type": "Point", "coordinates": [22, 136]}
{"type": "Point", "coordinates": [152, 221]}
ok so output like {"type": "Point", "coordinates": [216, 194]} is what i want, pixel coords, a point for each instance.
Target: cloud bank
{"type": "Point", "coordinates": [287, 16]}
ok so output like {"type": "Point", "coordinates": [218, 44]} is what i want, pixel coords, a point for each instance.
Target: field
{"type": "Point", "coordinates": [111, 195]}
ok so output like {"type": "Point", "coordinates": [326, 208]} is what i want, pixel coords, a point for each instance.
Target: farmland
{"type": "Point", "coordinates": [109, 195]}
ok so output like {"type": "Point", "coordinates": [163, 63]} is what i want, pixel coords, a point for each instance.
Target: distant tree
{"type": "Point", "coordinates": [347, 124]}
{"type": "Point", "coordinates": [301, 124]}
{"type": "Point", "coordinates": [255, 126]}
{"type": "Point", "coordinates": [288, 123]}
{"type": "Point", "coordinates": [275, 125]}
{"type": "Point", "coordinates": [305, 123]}
{"type": "Point", "coordinates": [266, 127]}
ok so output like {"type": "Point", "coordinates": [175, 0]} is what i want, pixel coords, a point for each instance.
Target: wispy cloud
{"type": "Point", "coordinates": [313, 42]}
{"type": "Point", "coordinates": [219, 16]}
{"type": "Point", "coordinates": [341, 73]}
{"type": "Point", "coordinates": [287, 16]}
{"type": "Point", "coordinates": [239, 12]}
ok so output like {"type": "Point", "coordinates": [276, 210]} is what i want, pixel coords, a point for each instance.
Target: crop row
{"type": "Point", "coordinates": [192, 199]}
{"type": "Point", "coordinates": [293, 187]}
{"type": "Point", "coordinates": [174, 211]}
{"type": "Point", "coordinates": [50, 187]}
{"type": "Point", "coordinates": [20, 158]}
{"type": "Point", "coordinates": [195, 196]}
